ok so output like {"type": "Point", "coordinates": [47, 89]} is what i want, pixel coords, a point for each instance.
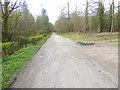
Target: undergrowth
{"type": "Point", "coordinates": [12, 64]}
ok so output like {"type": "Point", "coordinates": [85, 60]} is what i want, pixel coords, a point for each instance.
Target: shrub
{"type": "Point", "coordinates": [35, 39]}
{"type": "Point", "coordinates": [9, 48]}
{"type": "Point", "coordinates": [23, 41]}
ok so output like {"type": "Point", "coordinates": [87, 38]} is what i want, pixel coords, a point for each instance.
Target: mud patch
{"type": "Point", "coordinates": [85, 43]}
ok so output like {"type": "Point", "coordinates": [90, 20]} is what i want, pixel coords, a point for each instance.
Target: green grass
{"type": "Point", "coordinates": [0, 45]}
{"type": "Point", "coordinates": [116, 44]}
{"type": "Point", "coordinates": [113, 41]}
{"type": "Point", "coordinates": [12, 64]}
{"type": "Point", "coordinates": [89, 36]}
{"type": "Point", "coordinates": [68, 36]}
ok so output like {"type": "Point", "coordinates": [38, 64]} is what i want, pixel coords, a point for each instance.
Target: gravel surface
{"type": "Point", "coordinates": [61, 63]}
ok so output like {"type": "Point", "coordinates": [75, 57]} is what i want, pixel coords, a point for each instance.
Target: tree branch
{"type": "Point", "coordinates": [1, 7]}
{"type": "Point", "coordinates": [15, 6]}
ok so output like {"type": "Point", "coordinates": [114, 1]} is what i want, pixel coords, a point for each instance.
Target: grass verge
{"type": "Point", "coordinates": [12, 64]}
{"type": "Point", "coordinates": [90, 36]}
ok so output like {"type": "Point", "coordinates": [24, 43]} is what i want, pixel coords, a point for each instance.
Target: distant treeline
{"type": "Point", "coordinates": [95, 18]}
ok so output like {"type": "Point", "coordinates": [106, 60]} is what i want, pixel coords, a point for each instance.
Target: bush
{"type": "Point", "coordinates": [23, 41]}
{"type": "Point", "coordinates": [9, 48]}
{"type": "Point", "coordinates": [35, 39]}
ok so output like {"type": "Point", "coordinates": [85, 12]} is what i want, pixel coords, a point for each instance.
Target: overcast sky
{"type": "Point", "coordinates": [53, 7]}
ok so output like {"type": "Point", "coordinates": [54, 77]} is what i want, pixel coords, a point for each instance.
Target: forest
{"type": "Point", "coordinates": [22, 33]}
{"type": "Point", "coordinates": [95, 18]}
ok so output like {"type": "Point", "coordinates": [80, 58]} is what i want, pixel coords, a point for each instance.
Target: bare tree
{"type": "Point", "coordinates": [112, 23]}
{"type": "Point", "coordinates": [7, 7]}
{"type": "Point", "coordinates": [110, 16]}
{"type": "Point", "coordinates": [68, 14]}
{"type": "Point", "coordinates": [86, 17]}
{"type": "Point", "coordinates": [119, 15]}
{"type": "Point", "coordinates": [68, 7]}
{"type": "Point", "coordinates": [76, 8]}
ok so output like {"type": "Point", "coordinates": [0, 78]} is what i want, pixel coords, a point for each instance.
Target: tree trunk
{"type": "Point", "coordinates": [100, 16]}
{"type": "Point", "coordinates": [99, 27]}
{"type": "Point", "coordinates": [68, 10]}
{"type": "Point", "coordinates": [5, 22]}
{"type": "Point", "coordinates": [110, 17]}
{"type": "Point", "coordinates": [86, 17]}
{"type": "Point", "coordinates": [5, 30]}
{"type": "Point", "coordinates": [112, 24]}
{"type": "Point", "coordinates": [68, 6]}
{"type": "Point", "coordinates": [119, 16]}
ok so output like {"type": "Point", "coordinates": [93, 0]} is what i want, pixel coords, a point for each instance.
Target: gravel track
{"type": "Point", "coordinates": [61, 63]}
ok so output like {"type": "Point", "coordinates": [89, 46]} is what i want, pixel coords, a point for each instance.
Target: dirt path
{"type": "Point", "coordinates": [61, 63]}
